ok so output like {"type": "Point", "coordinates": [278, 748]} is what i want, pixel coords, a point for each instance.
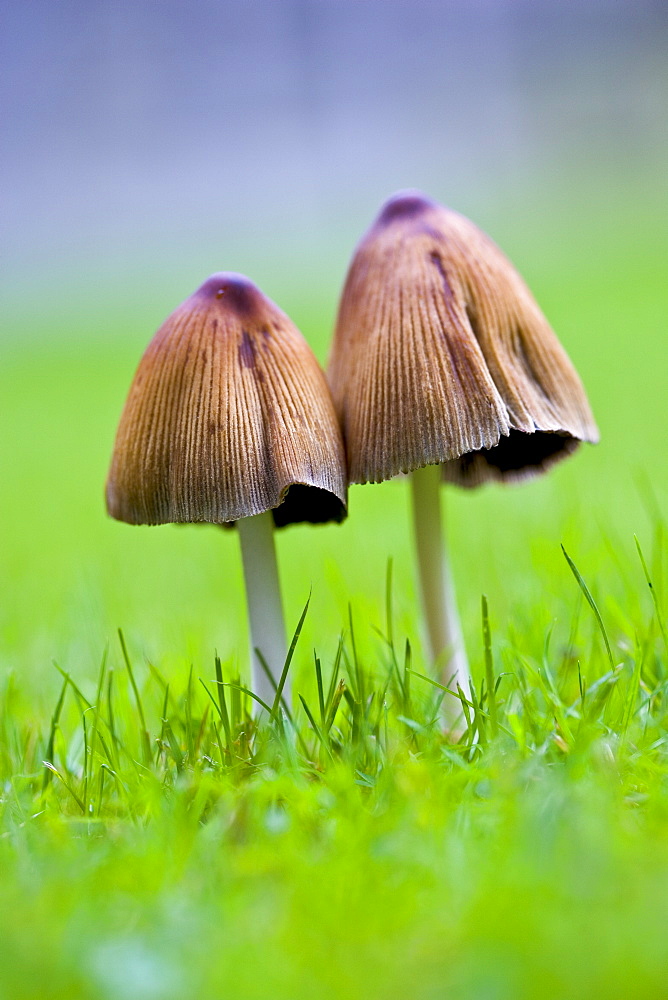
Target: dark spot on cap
{"type": "Point", "coordinates": [233, 291]}
{"type": "Point", "coordinates": [474, 323]}
{"type": "Point", "coordinates": [246, 350]}
{"type": "Point", "coordinates": [213, 427]}
{"type": "Point", "coordinates": [404, 207]}
{"type": "Point", "coordinates": [205, 357]}
{"type": "Point", "coordinates": [438, 264]}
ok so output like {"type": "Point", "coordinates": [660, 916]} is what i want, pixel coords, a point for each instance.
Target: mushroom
{"type": "Point", "coordinates": [444, 367]}
{"type": "Point", "coordinates": [230, 419]}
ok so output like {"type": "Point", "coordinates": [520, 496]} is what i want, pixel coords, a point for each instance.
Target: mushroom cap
{"type": "Point", "coordinates": [441, 355]}
{"type": "Point", "coordinates": [229, 415]}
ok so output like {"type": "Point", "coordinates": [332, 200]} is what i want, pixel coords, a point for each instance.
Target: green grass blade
{"type": "Point", "coordinates": [316, 728]}
{"type": "Point", "coordinates": [77, 690]}
{"type": "Point", "coordinates": [67, 785]}
{"type": "Point", "coordinates": [288, 660]}
{"type": "Point", "coordinates": [489, 668]}
{"type": "Point", "coordinates": [222, 703]}
{"type": "Point", "coordinates": [321, 693]}
{"type": "Point", "coordinates": [272, 680]}
{"type": "Point", "coordinates": [55, 719]}
{"type": "Point", "coordinates": [145, 739]}
{"type": "Point", "coordinates": [236, 686]}
{"type": "Point", "coordinates": [334, 704]}
{"type": "Point", "coordinates": [592, 604]}
{"type": "Point", "coordinates": [655, 599]}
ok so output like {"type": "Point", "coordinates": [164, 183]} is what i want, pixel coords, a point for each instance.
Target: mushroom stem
{"type": "Point", "coordinates": [446, 642]}
{"type": "Point", "coordinates": [263, 598]}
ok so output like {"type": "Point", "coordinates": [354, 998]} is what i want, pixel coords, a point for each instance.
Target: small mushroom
{"type": "Point", "coordinates": [443, 366]}
{"type": "Point", "coordinates": [230, 419]}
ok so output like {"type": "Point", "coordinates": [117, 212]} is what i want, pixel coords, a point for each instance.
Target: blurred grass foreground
{"type": "Point", "coordinates": [169, 847]}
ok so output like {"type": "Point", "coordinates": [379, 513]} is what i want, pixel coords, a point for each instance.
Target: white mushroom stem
{"type": "Point", "coordinates": [444, 630]}
{"type": "Point", "coordinates": [265, 610]}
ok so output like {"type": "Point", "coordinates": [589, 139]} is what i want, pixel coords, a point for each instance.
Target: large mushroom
{"type": "Point", "coordinates": [229, 419]}
{"type": "Point", "coordinates": [443, 366]}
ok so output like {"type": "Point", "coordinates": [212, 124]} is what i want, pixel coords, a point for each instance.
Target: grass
{"type": "Point", "coordinates": [173, 846]}
{"type": "Point", "coordinates": [158, 841]}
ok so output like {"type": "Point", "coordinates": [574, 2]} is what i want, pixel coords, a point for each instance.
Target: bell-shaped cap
{"type": "Point", "coordinates": [441, 355]}
{"type": "Point", "coordinates": [229, 415]}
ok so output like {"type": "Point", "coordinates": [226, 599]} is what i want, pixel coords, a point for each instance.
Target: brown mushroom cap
{"type": "Point", "coordinates": [441, 355]}
{"type": "Point", "coordinates": [229, 415]}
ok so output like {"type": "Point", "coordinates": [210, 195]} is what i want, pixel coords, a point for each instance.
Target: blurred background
{"type": "Point", "coordinates": [147, 145]}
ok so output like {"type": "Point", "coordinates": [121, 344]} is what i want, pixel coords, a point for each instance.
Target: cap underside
{"type": "Point", "coordinates": [516, 457]}
{"type": "Point", "coordinates": [309, 504]}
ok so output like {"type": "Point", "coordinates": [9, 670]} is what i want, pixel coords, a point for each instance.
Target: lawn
{"type": "Point", "coordinates": [172, 848]}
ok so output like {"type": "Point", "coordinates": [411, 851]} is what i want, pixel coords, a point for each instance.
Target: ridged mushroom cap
{"type": "Point", "coordinates": [229, 415]}
{"type": "Point", "coordinates": [441, 355]}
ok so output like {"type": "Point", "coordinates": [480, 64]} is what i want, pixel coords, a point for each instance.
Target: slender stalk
{"type": "Point", "coordinates": [444, 629]}
{"type": "Point", "coordinates": [263, 598]}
